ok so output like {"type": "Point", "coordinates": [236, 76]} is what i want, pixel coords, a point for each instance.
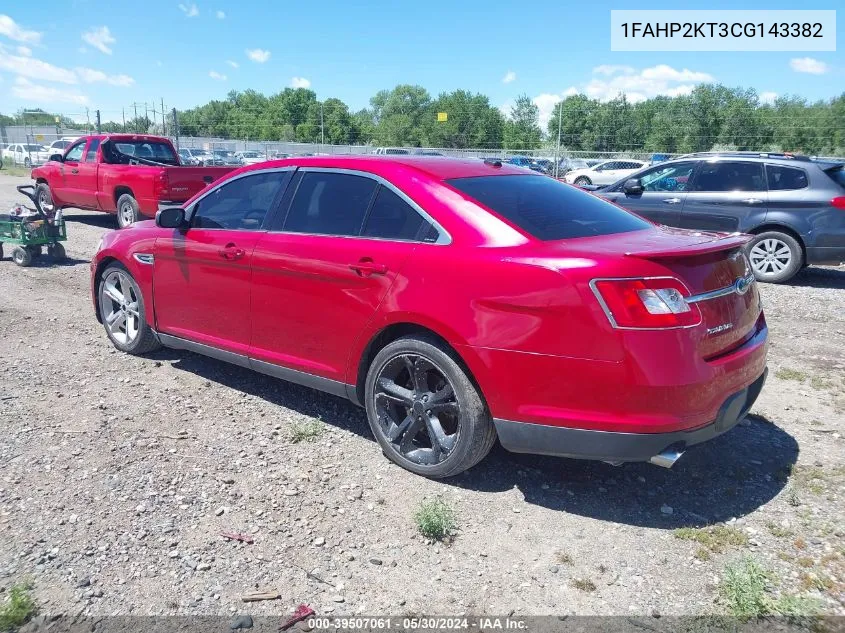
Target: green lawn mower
{"type": "Point", "coordinates": [31, 229]}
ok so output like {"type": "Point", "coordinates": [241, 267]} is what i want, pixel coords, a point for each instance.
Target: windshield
{"type": "Point", "coordinates": [250, 154]}
{"type": "Point", "coordinates": [157, 151]}
{"type": "Point", "coordinates": [547, 208]}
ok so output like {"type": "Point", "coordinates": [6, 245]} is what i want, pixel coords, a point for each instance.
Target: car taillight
{"type": "Point", "coordinates": [838, 202]}
{"type": "Point", "coordinates": [652, 303]}
{"type": "Point", "coordinates": [160, 185]}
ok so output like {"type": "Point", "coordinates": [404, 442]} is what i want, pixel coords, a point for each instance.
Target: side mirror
{"type": "Point", "coordinates": [56, 157]}
{"type": "Point", "coordinates": [172, 218]}
{"type": "Point", "coordinates": [633, 187]}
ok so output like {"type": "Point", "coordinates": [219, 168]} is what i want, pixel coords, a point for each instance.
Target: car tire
{"type": "Point", "coordinates": [122, 313]}
{"type": "Point", "coordinates": [437, 402]}
{"type": "Point", "coordinates": [583, 180]}
{"type": "Point", "coordinates": [21, 256]}
{"type": "Point", "coordinates": [57, 252]}
{"type": "Point", "coordinates": [1, 250]}
{"type": "Point", "coordinates": [775, 257]}
{"type": "Point", "coordinates": [127, 210]}
{"type": "Point", "coordinates": [27, 162]}
{"type": "Point", "coordinates": [44, 197]}
{"type": "Point", "coordinates": [34, 251]}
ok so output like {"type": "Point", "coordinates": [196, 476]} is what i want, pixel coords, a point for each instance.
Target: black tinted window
{"type": "Point", "coordinates": [548, 209]}
{"type": "Point", "coordinates": [782, 178]}
{"type": "Point", "coordinates": [240, 204]}
{"type": "Point", "coordinates": [91, 152]}
{"type": "Point", "coordinates": [727, 176]}
{"type": "Point", "coordinates": [673, 177]}
{"type": "Point", "coordinates": [330, 204]}
{"type": "Point", "coordinates": [392, 217]}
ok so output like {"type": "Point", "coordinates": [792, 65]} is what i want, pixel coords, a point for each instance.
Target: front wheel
{"type": "Point", "coordinates": [424, 410]}
{"type": "Point", "coordinates": [22, 256]}
{"type": "Point", "coordinates": [122, 312]}
{"type": "Point", "coordinates": [775, 257]}
{"type": "Point", "coordinates": [127, 210]}
{"type": "Point", "coordinates": [44, 197]}
{"type": "Point", "coordinates": [583, 180]}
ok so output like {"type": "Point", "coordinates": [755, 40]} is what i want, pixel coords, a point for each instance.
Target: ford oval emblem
{"type": "Point", "coordinates": [743, 284]}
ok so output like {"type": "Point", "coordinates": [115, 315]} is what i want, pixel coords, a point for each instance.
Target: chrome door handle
{"type": "Point", "coordinates": [752, 201]}
{"type": "Point", "coordinates": [672, 200]}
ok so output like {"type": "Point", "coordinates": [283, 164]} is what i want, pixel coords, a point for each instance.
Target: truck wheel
{"type": "Point", "coordinates": [127, 210]}
{"type": "Point", "coordinates": [21, 256]}
{"type": "Point", "coordinates": [44, 197]}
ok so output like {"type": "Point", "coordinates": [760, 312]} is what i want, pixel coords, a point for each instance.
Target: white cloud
{"type": "Point", "coordinates": [100, 38]}
{"type": "Point", "coordinates": [217, 76]}
{"type": "Point", "coordinates": [35, 68]}
{"type": "Point", "coordinates": [24, 50]}
{"type": "Point", "coordinates": [546, 104]}
{"type": "Point", "coordinates": [15, 31]}
{"type": "Point", "coordinates": [299, 82]}
{"type": "Point", "coordinates": [258, 55]}
{"type": "Point", "coordinates": [639, 85]}
{"type": "Point", "coordinates": [220, 15]}
{"type": "Point", "coordinates": [808, 65]}
{"type": "Point", "coordinates": [768, 97]}
{"type": "Point", "coordinates": [509, 77]}
{"type": "Point", "coordinates": [91, 76]}
{"type": "Point", "coordinates": [232, 64]}
{"type": "Point", "coordinates": [38, 94]}
{"type": "Point", "coordinates": [190, 10]}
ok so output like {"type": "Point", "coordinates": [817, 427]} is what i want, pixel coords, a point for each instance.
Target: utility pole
{"type": "Point", "coordinates": [123, 114]}
{"type": "Point", "coordinates": [322, 134]}
{"type": "Point", "coordinates": [557, 148]}
{"type": "Point", "coordinates": [176, 128]}
{"type": "Point", "coordinates": [135, 120]}
{"type": "Point", "coordinates": [146, 116]}
{"type": "Point", "coordinates": [99, 127]}
{"type": "Point", "coordinates": [163, 119]}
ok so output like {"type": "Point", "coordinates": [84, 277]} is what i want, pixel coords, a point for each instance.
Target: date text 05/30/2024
{"type": "Point", "coordinates": [424, 623]}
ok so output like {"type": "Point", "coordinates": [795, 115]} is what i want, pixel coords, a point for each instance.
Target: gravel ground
{"type": "Point", "coordinates": [119, 473]}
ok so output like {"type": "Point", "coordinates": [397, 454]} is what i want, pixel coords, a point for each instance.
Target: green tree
{"type": "Point", "coordinates": [471, 121]}
{"type": "Point", "coordinates": [522, 129]}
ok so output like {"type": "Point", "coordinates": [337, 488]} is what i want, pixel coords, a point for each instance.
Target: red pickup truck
{"type": "Point", "coordinates": [126, 174]}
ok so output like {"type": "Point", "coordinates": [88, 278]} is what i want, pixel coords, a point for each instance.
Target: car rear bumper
{"type": "Point", "coordinates": [826, 255]}
{"type": "Point", "coordinates": [521, 437]}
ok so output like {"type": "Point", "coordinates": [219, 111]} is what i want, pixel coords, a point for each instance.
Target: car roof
{"type": "Point", "coordinates": [437, 167]}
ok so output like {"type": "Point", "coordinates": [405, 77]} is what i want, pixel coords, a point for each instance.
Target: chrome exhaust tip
{"type": "Point", "coordinates": [667, 458]}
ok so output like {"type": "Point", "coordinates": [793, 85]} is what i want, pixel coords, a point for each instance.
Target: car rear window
{"type": "Point", "coordinates": [838, 174]}
{"type": "Point", "coordinates": [150, 150]}
{"type": "Point", "coordinates": [546, 208]}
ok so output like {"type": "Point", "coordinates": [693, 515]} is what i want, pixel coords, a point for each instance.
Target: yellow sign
{"type": "Point", "coordinates": [442, 117]}
{"type": "Point", "coordinates": [39, 137]}
{"type": "Point", "coordinates": [58, 120]}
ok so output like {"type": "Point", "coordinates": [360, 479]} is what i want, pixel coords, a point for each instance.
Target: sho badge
{"type": "Point", "coordinates": [720, 328]}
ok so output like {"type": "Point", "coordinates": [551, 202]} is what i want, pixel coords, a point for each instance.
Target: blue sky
{"type": "Point", "coordinates": [78, 54]}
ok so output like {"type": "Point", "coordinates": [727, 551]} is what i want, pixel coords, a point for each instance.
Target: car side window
{"type": "Point", "coordinates": [605, 166]}
{"type": "Point", "coordinates": [91, 152]}
{"type": "Point", "coordinates": [726, 176]}
{"type": "Point", "coordinates": [75, 152]}
{"type": "Point", "coordinates": [240, 204]}
{"type": "Point", "coordinates": [330, 203]}
{"type": "Point", "coordinates": [392, 218]}
{"type": "Point", "coordinates": [781, 178]}
{"type": "Point", "coordinates": [673, 177]}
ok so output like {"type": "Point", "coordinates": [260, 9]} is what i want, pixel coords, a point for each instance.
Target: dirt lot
{"type": "Point", "coordinates": [118, 474]}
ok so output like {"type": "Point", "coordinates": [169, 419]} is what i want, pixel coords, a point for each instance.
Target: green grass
{"type": "Point", "coordinates": [584, 584]}
{"type": "Point", "coordinates": [717, 538]}
{"type": "Point", "coordinates": [564, 558]}
{"type": "Point", "coordinates": [817, 382]}
{"type": "Point", "coordinates": [778, 530]}
{"type": "Point", "coordinates": [18, 608]}
{"type": "Point", "coordinates": [12, 170]}
{"type": "Point", "coordinates": [744, 589]}
{"type": "Point", "coordinates": [306, 431]}
{"type": "Point", "coordinates": [435, 519]}
{"type": "Point", "coordinates": [702, 554]}
{"type": "Point", "coordinates": [785, 373]}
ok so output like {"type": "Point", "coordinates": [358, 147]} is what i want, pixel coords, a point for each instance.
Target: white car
{"type": "Point", "coordinates": [250, 158]}
{"type": "Point", "coordinates": [604, 173]}
{"type": "Point", "coordinates": [59, 146]}
{"type": "Point", "coordinates": [26, 154]}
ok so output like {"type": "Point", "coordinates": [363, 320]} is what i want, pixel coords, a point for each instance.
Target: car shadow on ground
{"type": "Point", "coordinates": [812, 277]}
{"type": "Point", "coordinates": [730, 476]}
{"type": "Point", "coordinates": [100, 220]}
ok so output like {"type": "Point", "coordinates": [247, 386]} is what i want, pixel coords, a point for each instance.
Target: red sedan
{"type": "Point", "coordinates": [457, 301]}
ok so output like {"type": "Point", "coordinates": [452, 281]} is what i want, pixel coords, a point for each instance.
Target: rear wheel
{"type": "Point", "coordinates": [424, 410]}
{"type": "Point", "coordinates": [127, 210]}
{"type": "Point", "coordinates": [21, 256]}
{"type": "Point", "coordinates": [583, 180]}
{"type": "Point", "coordinates": [57, 252]}
{"type": "Point", "coordinates": [44, 197]}
{"type": "Point", "coordinates": [775, 257]}
{"type": "Point", "coordinates": [122, 312]}
{"type": "Point", "coordinates": [34, 251]}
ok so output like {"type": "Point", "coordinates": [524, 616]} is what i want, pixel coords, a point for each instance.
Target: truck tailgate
{"type": "Point", "coordinates": [183, 182]}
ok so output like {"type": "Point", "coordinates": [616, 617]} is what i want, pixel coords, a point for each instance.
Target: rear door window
{"type": "Point", "coordinates": [727, 176]}
{"type": "Point", "coordinates": [546, 208]}
{"type": "Point", "coordinates": [330, 203]}
{"type": "Point", "coordinates": [782, 178]}
{"type": "Point", "coordinates": [392, 218]}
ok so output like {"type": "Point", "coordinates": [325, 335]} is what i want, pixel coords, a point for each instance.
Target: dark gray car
{"type": "Point", "coordinates": [794, 206]}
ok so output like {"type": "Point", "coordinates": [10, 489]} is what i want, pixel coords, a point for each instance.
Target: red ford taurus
{"type": "Point", "coordinates": [457, 301]}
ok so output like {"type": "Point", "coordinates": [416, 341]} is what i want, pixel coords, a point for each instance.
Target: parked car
{"type": "Point", "coordinates": [792, 205]}
{"type": "Point", "coordinates": [604, 173]}
{"type": "Point", "coordinates": [125, 174]}
{"type": "Point", "coordinates": [26, 154]}
{"type": "Point", "coordinates": [250, 157]}
{"type": "Point", "coordinates": [199, 157]}
{"type": "Point", "coordinates": [427, 152]}
{"type": "Point", "coordinates": [456, 301]}
{"type": "Point", "coordinates": [59, 146]}
{"type": "Point", "coordinates": [391, 151]}
{"type": "Point", "coordinates": [189, 157]}
{"type": "Point", "coordinates": [566, 165]}
{"type": "Point", "coordinates": [227, 157]}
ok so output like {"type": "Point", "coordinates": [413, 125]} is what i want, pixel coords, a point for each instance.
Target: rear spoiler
{"type": "Point", "coordinates": [725, 243]}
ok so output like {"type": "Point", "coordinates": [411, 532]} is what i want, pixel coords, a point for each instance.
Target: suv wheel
{"type": "Point", "coordinates": [122, 312]}
{"type": "Point", "coordinates": [775, 257]}
{"type": "Point", "coordinates": [424, 410]}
